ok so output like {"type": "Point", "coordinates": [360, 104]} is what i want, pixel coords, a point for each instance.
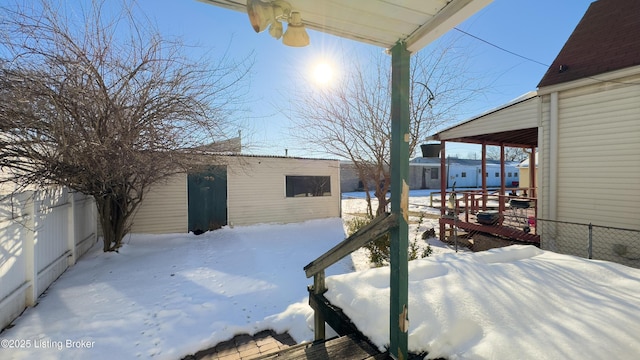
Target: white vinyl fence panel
{"type": "Point", "coordinates": [42, 233]}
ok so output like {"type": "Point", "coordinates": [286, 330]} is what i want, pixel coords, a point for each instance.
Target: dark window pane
{"type": "Point", "coordinates": [303, 186]}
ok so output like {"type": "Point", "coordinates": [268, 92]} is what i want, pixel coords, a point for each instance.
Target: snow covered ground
{"type": "Point", "coordinates": [167, 296]}
{"type": "Point", "coordinates": [517, 302]}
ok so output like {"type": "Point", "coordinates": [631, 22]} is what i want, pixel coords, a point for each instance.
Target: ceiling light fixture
{"type": "Point", "coordinates": [270, 14]}
{"type": "Point", "coordinates": [296, 34]}
{"type": "Point", "coordinates": [275, 29]}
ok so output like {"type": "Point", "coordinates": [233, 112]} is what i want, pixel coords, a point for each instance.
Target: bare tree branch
{"type": "Point", "coordinates": [102, 103]}
{"type": "Point", "coordinates": [353, 119]}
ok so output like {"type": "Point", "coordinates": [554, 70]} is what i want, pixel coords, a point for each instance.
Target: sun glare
{"type": "Point", "coordinates": [323, 73]}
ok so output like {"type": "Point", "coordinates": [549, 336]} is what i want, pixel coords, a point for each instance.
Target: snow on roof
{"type": "Point", "coordinates": [525, 163]}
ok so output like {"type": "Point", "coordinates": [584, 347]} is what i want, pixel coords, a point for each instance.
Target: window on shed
{"type": "Point", "coordinates": [305, 186]}
{"type": "Point", "coordinates": [434, 174]}
{"type": "Point", "coordinates": [464, 174]}
{"type": "Point", "coordinates": [510, 175]}
{"type": "Point", "coordinates": [497, 174]}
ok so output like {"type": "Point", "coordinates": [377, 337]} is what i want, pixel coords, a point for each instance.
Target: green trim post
{"type": "Point", "coordinates": [399, 319]}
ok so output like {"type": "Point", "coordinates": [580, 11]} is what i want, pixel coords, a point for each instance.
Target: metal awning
{"type": "Point", "coordinates": [514, 124]}
{"type": "Point", "coordinates": [514, 138]}
{"type": "Point", "coordinates": [378, 22]}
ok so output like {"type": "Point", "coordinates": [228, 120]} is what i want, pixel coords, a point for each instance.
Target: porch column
{"type": "Point", "coordinates": [532, 172]}
{"type": "Point", "coordinates": [443, 187]}
{"type": "Point", "coordinates": [503, 171]}
{"type": "Point", "coordinates": [399, 307]}
{"type": "Point", "coordinates": [484, 176]}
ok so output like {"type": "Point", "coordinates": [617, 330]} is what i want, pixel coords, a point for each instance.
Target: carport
{"type": "Point", "coordinates": [516, 124]}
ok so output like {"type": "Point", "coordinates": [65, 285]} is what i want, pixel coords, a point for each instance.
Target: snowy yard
{"type": "Point", "coordinates": [167, 296]}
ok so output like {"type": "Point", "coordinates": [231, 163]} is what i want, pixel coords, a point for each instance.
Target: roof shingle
{"type": "Point", "coordinates": [606, 39]}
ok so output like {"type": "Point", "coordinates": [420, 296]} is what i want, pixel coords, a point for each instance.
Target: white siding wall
{"type": "Point", "coordinates": [598, 175]}
{"type": "Point", "coordinates": [544, 173]}
{"type": "Point", "coordinates": [523, 115]}
{"type": "Point", "coordinates": [599, 156]}
{"type": "Point", "coordinates": [256, 190]}
{"type": "Point", "coordinates": [164, 208]}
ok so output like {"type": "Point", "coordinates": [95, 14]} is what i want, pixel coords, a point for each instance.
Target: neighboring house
{"type": "Point", "coordinates": [584, 121]}
{"type": "Point", "coordinates": [465, 173]}
{"type": "Point", "coordinates": [590, 102]}
{"type": "Point", "coordinates": [424, 173]}
{"type": "Point", "coordinates": [244, 190]}
{"type": "Point", "coordinates": [523, 167]}
{"type": "Point", "coordinates": [349, 179]}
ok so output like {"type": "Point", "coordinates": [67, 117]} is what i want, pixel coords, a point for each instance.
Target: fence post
{"type": "Point", "coordinates": [31, 271]}
{"type": "Point", "coordinates": [71, 227]}
{"type": "Point", "coordinates": [590, 249]}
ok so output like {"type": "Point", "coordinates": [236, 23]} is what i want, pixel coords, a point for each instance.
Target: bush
{"type": "Point", "coordinates": [379, 249]}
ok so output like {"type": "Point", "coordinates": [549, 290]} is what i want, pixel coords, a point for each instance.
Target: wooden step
{"type": "Point", "coordinates": [344, 347]}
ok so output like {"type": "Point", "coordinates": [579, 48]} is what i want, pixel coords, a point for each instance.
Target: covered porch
{"type": "Point", "coordinates": [510, 211]}
{"type": "Point", "coordinates": [402, 28]}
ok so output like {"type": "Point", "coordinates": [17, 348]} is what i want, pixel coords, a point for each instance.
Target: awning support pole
{"type": "Point", "coordinates": [399, 307]}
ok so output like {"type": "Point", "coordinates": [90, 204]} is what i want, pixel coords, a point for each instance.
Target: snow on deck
{"type": "Point", "coordinates": [518, 302]}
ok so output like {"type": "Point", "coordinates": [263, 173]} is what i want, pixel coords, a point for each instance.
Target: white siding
{"type": "Point", "coordinates": [599, 157]}
{"type": "Point", "coordinates": [256, 190]}
{"type": "Point", "coordinates": [523, 115]}
{"type": "Point", "coordinates": [544, 172]}
{"type": "Point", "coordinates": [598, 175]}
{"type": "Point", "coordinates": [164, 208]}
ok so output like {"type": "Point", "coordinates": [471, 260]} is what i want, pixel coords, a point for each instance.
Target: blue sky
{"type": "Point", "coordinates": [533, 29]}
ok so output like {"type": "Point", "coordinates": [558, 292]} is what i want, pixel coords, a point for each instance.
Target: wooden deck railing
{"type": "Point", "coordinates": [515, 214]}
{"type": "Point", "coordinates": [372, 231]}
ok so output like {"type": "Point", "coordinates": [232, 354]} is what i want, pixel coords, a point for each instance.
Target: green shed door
{"type": "Point", "coordinates": [207, 199]}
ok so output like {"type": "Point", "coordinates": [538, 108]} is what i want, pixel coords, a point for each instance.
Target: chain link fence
{"type": "Point", "coordinates": [591, 241]}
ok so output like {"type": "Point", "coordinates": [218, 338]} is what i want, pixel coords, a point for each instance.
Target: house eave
{"type": "Point", "coordinates": [612, 76]}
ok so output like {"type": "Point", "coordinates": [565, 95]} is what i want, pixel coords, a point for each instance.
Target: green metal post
{"type": "Point", "coordinates": [399, 318]}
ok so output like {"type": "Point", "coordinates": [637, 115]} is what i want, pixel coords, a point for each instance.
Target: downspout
{"type": "Point", "coordinates": [553, 156]}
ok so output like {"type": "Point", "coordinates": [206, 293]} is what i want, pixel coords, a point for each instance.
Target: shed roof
{"type": "Point", "coordinates": [606, 39]}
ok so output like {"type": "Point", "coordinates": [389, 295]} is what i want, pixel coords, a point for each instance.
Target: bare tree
{"type": "Point", "coordinates": [352, 120]}
{"type": "Point", "coordinates": [510, 153]}
{"type": "Point", "coordinates": [98, 101]}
